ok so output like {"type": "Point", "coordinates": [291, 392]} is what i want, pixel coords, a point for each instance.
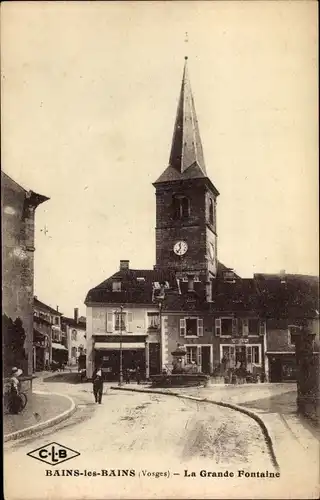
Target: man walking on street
{"type": "Point", "coordinates": [97, 380]}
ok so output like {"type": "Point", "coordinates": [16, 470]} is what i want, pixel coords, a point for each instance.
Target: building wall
{"type": "Point", "coordinates": [18, 216]}
{"type": "Point", "coordinates": [71, 343]}
{"type": "Point", "coordinates": [191, 229]}
{"type": "Point", "coordinates": [171, 337]}
{"type": "Point", "coordinates": [278, 338]}
{"type": "Point", "coordinates": [100, 322]}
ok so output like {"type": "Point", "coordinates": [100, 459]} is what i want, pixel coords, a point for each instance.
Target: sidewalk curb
{"type": "Point", "coordinates": [47, 423]}
{"type": "Point", "coordinates": [249, 413]}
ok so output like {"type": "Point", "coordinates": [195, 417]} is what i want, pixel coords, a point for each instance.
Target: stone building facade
{"type": "Point", "coordinates": [228, 325]}
{"type": "Point", "coordinates": [76, 341]}
{"type": "Point", "coordinates": [49, 341]}
{"type": "Point", "coordinates": [18, 246]}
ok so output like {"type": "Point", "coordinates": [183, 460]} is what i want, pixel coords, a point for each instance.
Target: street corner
{"type": "Point", "coordinates": [43, 410]}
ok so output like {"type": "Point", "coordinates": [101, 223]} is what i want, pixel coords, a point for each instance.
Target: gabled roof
{"type": "Point", "coordinates": [133, 289]}
{"type": "Point", "coordinates": [137, 286]}
{"type": "Point", "coordinates": [34, 199]}
{"type": "Point", "coordinates": [37, 304]}
{"type": "Point", "coordinates": [239, 295]}
{"type": "Point", "coordinates": [288, 295]}
{"type": "Point", "coordinates": [81, 323]}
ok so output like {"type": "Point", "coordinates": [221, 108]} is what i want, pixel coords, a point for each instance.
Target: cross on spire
{"type": "Point", "coordinates": [186, 40]}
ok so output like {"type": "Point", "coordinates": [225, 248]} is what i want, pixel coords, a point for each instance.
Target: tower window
{"type": "Point", "coordinates": [211, 211]}
{"type": "Point", "coordinates": [181, 207]}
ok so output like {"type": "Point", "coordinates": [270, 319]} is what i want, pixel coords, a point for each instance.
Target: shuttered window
{"type": "Point", "coordinates": [200, 327]}
{"type": "Point", "coordinates": [191, 327]}
{"type": "Point", "coordinates": [217, 324]}
{"type": "Point", "coordinates": [109, 322]}
{"type": "Point", "coordinates": [263, 327]}
{"type": "Point", "coordinates": [253, 326]}
{"type": "Point", "coordinates": [130, 319]}
{"type": "Point", "coordinates": [245, 327]}
{"type": "Point", "coordinates": [182, 327]}
{"type": "Point", "coordinates": [234, 326]}
{"type": "Point", "coordinates": [119, 321]}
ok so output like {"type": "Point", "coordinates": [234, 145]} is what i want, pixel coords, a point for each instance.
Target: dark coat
{"type": "Point", "coordinates": [97, 380]}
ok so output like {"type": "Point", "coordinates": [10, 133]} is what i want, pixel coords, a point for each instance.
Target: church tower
{"type": "Point", "coordinates": [186, 229]}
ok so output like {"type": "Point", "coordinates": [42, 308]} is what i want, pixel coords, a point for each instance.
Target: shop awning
{"type": "Point", "coordinates": [115, 346]}
{"type": "Point", "coordinates": [58, 346]}
{"type": "Point", "coordinates": [280, 352]}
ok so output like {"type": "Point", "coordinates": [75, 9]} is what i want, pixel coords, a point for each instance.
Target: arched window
{"type": "Point", "coordinates": [185, 207]}
{"type": "Point", "coordinates": [211, 211]}
{"type": "Point", "coordinates": [181, 207]}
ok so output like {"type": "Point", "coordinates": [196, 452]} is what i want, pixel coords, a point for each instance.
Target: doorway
{"type": "Point", "coordinates": [205, 359]}
{"type": "Point", "coordinates": [275, 370]}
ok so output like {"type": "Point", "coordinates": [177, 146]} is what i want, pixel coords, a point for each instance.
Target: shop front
{"type": "Point", "coordinates": [107, 355]}
{"type": "Point", "coordinates": [282, 366]}
{"type": "Point", "coordinates": [242, 359]}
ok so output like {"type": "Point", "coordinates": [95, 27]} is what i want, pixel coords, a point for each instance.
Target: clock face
{"type": "Point", "coordinates": [180, 248]}
{"type": "Point", "coordinates": [211, 251]}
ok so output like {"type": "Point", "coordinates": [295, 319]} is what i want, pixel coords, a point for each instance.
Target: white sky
{"type": "Point", "coordinates": [89, 96]}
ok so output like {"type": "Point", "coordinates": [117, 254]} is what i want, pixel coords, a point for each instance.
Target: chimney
{"type": "Point", "coordinates": [57, 308]}
{"type": "Point", "coordinates": [190, 283]}
{"type": "Point", "coordinates": [209, 291]}
{"type": "Point", "coordinates": [124, 265]}
{"type": "Point", "coordinates": [76, 314]}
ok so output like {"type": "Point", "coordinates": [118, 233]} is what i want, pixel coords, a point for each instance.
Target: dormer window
{"type": "Point", "coordinates": [229, 277]}
{"type": "Point", "coordinates": [116, 286]}
{"type": "Point", "coordinates": [181, 207]}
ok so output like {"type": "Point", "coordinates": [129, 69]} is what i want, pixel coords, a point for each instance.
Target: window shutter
{"type": "Point", "coordinates": [263, 327]}
{"type": "Point", "coordinates": [182, 327]}
{"type": "Point", "coordinates": [234, 326]}
{"type": "Point", "coordinates": [249, 354]}
{"type": "Point", "coordinates": [109, 322]}
{"type": "Point", "coordinates": [218, 327]}
{"type": "Point", "coordinates": [130, 318]}
{"type": "Point", "coordinates": [200, 327]}
{"type": "Point", "coordinates": [245, 327]}
{"type": "Point", "coordinates": [199, 357]}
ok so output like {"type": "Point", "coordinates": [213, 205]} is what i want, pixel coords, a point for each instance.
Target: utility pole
{"type": "Point", "coordinates": [121, 368]}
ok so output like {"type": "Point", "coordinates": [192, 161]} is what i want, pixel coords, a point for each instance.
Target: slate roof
{"type": "Point", "coordinates": [71, 322]}
{"type": "Point", "coordinates": [186, 157]}
{"type": "Point", "coordinates": [136, 291]}
{"type": "Point", "coordinates": [261, 295]}
{"type": "Point", "coordinates": [132, 290]}
{"type": "Point", "coordinates": [292, 295]}
{"type": "Point", "coordinates": [37, 304]}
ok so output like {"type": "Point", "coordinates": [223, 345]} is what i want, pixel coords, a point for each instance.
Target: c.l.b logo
{"type": "Point", "coordinates": [53, 454]}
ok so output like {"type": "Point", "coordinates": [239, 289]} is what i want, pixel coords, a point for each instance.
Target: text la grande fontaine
{"type": "Point", "coordinates": [239, 473]}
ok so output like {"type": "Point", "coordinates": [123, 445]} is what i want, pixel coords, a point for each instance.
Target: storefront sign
{"type": "Point", "coordinates": [239, 341]}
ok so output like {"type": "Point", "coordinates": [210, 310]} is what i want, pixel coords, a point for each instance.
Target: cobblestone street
{"type": "Point", "coordinates": [141, 431]}
{"type": "Point", "coordinates": [144, 432]}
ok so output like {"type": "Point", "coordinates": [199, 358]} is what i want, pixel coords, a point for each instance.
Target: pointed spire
{"type": "Point", "coordinates": [186, 149]}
